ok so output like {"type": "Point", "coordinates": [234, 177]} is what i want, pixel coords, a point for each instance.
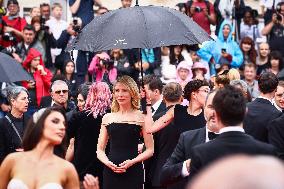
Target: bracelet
{"type": "Point", "coordinates": [148, 104]}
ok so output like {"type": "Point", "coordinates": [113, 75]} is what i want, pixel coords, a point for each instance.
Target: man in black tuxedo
{"type": "Point", "coordinates": [229, 110]}
{"type": "Point", "coordinates": [175, 170]}
{"type": "Point", "coordinates": [154, 87]}
{"type": "Point", "coordinates": [165, 139]}
{"type": "Point", "coordinates": [261, 111]}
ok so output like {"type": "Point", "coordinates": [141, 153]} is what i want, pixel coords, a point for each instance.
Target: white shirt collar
{"type": "Point", "coordinates": [156, 105]}
{"type": "Point", "coordinates": [231, 128]}
{"type": "Point", "coordinates": [265, 98]}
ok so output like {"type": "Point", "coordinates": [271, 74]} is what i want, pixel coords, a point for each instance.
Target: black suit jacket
{"type": "Point", "coordinates": [276, 135]}
{"type": "Point", "coordinates": [228, 143]}
{"type": "Point", "coordinates": [171, 171]}
{"type": "Point", "coordinates": [161, 110]}
{"type": "Point", "coordinates": [260, 113]}
{"type": "Point", "coordinates": [165, 142]}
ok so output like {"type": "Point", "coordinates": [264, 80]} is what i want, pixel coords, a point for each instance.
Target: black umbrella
{"type": "Point", "coordinates": [142, 27]}
{"type": "Point", "coordinates": [139, 27]}
{"type": "Point", "coordinates": [11, 70]}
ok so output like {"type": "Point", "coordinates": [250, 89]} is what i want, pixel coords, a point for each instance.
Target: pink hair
{"type": "Point", "coordinates": [99, 99]}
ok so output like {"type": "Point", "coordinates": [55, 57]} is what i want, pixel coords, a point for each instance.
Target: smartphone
{"type": "Point", "coordinates": [223, 50]}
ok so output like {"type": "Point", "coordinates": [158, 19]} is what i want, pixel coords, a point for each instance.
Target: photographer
{"type": "Point", "coordinates": [202, 12]}
{"type": "Point", "coordinates": [29, 41]}
{"type": "Point", "coordinates": [102, 68]}
{"type": "Point", "coordinates": [45, 37]}
{"type": "Point", "coordinates": [14, 25]}
{"type": "Point", "coordinates": [275, 30]}
{"type": "Point", "coordinates": [80, 57]}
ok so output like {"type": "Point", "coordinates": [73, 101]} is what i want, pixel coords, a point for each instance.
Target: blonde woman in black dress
{"type": "Point", "coordinates": [123, 127]}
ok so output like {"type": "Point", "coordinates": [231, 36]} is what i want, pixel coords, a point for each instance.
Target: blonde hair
{"type": "Point", "coordinates": [133, 90]}
{"type": "Point", "coordinates": [233, 74]}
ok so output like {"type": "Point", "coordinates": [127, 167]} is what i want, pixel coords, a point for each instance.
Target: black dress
{"type": "Point", "coordinates": [186, 121]}
{"type": "Point", "coordinates": [124, 139]}
{"type": "Point", "coordinates": [85, 128]}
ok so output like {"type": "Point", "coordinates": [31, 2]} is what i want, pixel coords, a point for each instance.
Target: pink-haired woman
{"type": "Point", "coordinates": [84, 126]}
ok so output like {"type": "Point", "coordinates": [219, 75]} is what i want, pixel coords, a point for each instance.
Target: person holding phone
{"type": "Point", "coordinates": [223, 49]}
{"type": "Point", "coordinates": [42, 79]}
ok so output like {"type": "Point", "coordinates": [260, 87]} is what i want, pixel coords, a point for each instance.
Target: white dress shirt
{"type": "Point", "coordinates": [156, 106]}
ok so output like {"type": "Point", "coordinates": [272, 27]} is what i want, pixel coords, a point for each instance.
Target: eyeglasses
{"type": "Point", "coordinates": [204, 90]}
{"type": "Point", "coordinates": [61, 91]}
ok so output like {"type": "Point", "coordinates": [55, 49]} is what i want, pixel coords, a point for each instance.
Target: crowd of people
{"type": "Point", "coordinates": [90, 120]}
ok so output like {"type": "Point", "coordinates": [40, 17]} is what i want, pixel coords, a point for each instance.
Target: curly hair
{"type": "Point", "coordinates": [193, 86]}
{"type": "Point", "coordinates": [99, 99]}
{"type": "Point", "coordinates": [133, 90]}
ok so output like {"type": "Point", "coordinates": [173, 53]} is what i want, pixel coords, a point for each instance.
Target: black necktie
{"type": "Point", "coordinates": [153, 110]}
{"type": "Point", "coordinates": [212, 135]}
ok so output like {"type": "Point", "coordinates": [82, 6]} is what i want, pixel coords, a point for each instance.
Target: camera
{"type": "Point", "coordinates": [76, 26]}
{"type": "Point", "coordinates": [108, 64]}
{"type": "Point", "coordinates": [278, 11]}
{"type": "Point", "coordinates": [198, 9]}
{"type": "Point", "coordinates": [42, 24]}
{"type": "Point", "coordinates": [8, 36]}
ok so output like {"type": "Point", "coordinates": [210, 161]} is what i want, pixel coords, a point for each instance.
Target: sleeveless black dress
{"type": "Point", "coordinates": [186, 121]}
{"type": "Point", "coordinates": [124, 139]}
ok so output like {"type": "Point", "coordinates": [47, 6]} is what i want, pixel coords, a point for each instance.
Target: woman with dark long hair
{"type": "Point", "coordinates": [249, 52]}
{"type": "Point", "coordinates": [37, 166]}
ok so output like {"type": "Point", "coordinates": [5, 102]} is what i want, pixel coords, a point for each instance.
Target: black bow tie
{"type": "Point", "coordinates": [153, 110]}
{"type": "Point", "coordinates": [212, 135]}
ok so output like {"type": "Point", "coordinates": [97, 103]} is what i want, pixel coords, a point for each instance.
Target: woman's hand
{"type": "Point", "coordinates": [91, 182]}
{"type": "Point", "coordinates": [126, 164]}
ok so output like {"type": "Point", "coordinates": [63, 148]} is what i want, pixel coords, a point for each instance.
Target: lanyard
{"type": "Point", "coordinates": [14, 127]}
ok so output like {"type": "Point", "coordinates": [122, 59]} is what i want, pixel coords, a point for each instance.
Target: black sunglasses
{"type": "Point", "coordinates": [61, 91]}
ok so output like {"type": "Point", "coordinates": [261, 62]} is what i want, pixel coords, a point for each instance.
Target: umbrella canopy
{"type": "Point", "coordinates": [139, 27]}
{"type": "Point", "coordinates": [11, 70]}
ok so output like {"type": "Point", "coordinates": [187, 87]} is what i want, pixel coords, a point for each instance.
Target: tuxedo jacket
{"type": "Point", "coordinates": [228, 143]}
{"type": "Point", "coordinates": [276, 135]}
{"type": "Point", "coordinates": [171, 170]}
{"type": "Point", "coordinates": [161, 109]}
{"type": "Point", "coordinates": [165, 142]}
{"type": "Point", "coordinates": [260, 113]}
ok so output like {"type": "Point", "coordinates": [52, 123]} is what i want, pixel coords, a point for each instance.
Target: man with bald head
{"type": "Point", "coordinates": [242, 172]}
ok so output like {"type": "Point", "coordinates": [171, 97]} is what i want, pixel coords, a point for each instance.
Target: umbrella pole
{"type": "Point", "coordinates": [143, 100]}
